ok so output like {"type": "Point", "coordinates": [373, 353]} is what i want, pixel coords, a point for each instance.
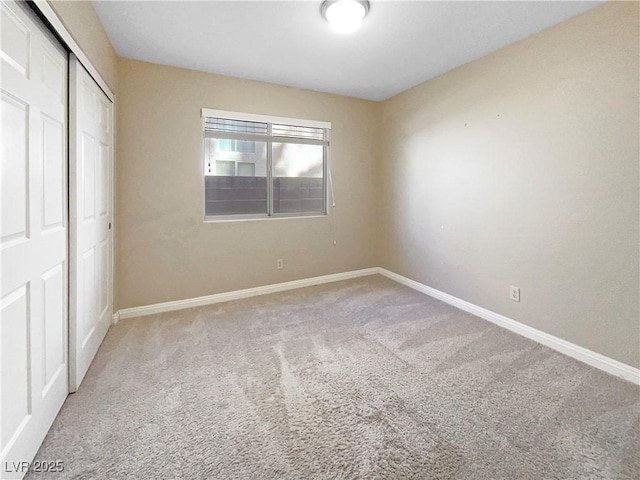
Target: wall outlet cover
{"type": "Point", "coordinates": [514, 293]}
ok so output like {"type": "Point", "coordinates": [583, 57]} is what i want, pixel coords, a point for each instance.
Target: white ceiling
{"type": "Point", "coordinates": [399, 45]}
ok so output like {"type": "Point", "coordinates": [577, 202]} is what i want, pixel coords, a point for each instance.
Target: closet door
{"type": "Point", "coordinates": [33, 234]}
{"type": "Point", "coordinates": [90, 176]}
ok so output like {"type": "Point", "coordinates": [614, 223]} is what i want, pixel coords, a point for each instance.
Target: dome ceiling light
{"type": "Point", "coordinates": [344, 16]}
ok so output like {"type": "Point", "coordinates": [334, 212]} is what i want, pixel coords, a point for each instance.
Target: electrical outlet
{"type": "Point", "coordinates": [514, 293]}
{"type": "Point", "coordinates": [280, 264]}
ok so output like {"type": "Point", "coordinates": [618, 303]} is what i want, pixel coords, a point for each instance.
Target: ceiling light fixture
{"type": "Point", "coordinates": [344, 16]}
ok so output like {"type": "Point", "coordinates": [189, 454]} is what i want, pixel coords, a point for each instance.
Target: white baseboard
{"type": "Point", "coordinates": [115, 318]}
{"type": "Point", "coordinates": [582, 354]}
{"type": "Point", "coordinates": [238, 294]}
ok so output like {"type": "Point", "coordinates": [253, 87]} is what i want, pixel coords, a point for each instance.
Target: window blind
{"type": "Point", "coordinates": [295, 131]}
{"type": "Point", "coordinates": [243, 126]}
{"type": "Point", "coordinates": [228, 125]}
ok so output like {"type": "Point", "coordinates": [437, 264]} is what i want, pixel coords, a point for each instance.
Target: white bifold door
{"type": "Point", "coordinates": [91, 180]}
{"type": "Point", "coordinates": [33, 234]}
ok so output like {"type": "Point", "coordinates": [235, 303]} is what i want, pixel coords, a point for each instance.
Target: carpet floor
{"type": "Point", "coordinates": [357, 379]}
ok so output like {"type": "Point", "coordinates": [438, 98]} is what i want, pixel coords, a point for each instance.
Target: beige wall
{"type": "Point", "coordinates": [165, 251]}
{"type": "Point", "coordinates": [518, 169]}
{"type": "Point", "coordinates": [522, 169]}
{"type": "Point", "coordinates": [81, 20]}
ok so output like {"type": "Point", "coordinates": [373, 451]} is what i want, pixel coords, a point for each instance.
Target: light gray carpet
{"type": "Point", "coordinates": [356, 379]}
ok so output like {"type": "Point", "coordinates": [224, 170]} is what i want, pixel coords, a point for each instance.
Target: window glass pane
{"type": "Point", "coordinates": [225, 168]}
{"type": "Point", "coordinates": [246, 169]}
{"type": "Point", "coordinates": [235, 177]}
{"type": "Point", "coordinates": [232, 145]}
{"type": "Point", "coordinates": [224, 144]}
{"type": "Point", "coordinates": [298, 183]}
{"type": "Point", "coordinates": [245, 146]}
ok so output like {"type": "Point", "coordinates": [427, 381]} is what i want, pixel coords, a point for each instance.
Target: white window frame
{"type": "Point", "coordinates": [269, 119]}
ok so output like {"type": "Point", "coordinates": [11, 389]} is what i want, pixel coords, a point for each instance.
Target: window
{"type": "Point", "coordinates": [259, 166]}
{"type": "Point", "coordinates": [231, 145]}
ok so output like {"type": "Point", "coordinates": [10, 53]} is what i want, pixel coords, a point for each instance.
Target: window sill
{"type": "Point", "coordinates": [234, 219]}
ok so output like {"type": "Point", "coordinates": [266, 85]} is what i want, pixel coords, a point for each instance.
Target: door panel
{"type": "Point", "coordinates": [54, 75]}
{"type": "Point", "coordinates": [14, 41]}
{"type": "Point", "coordinates": [104, 262]}
{"type": "Point", "coordinates": [104, 169]}
{"type": "Point", "coordinates": [33, 234]}
{"type": "Point", "coordinates": [16, 390]}
{"type": "Point", "coordinates": [88, 293]}
{"type": "Point", "coordinates": [91, 144]}
{"type": "Point", "coordinates": [15, 168]}
{"type": "Point", "coordinates": [54, 204]}
{"type": "Point", "coordinates": [54, 293]}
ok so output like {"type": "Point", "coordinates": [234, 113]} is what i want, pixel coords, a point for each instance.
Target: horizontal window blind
{"type": "Point", "coordinates": [294, 131]}
{"type": "Point", "coordinates": [227, 125]}
{"type": "Point", "coordinates": [243, 126]}
{"type": "Point", "coordinates": [254, 117]}
{"type": "Point", "coordinates": [243, 130]}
